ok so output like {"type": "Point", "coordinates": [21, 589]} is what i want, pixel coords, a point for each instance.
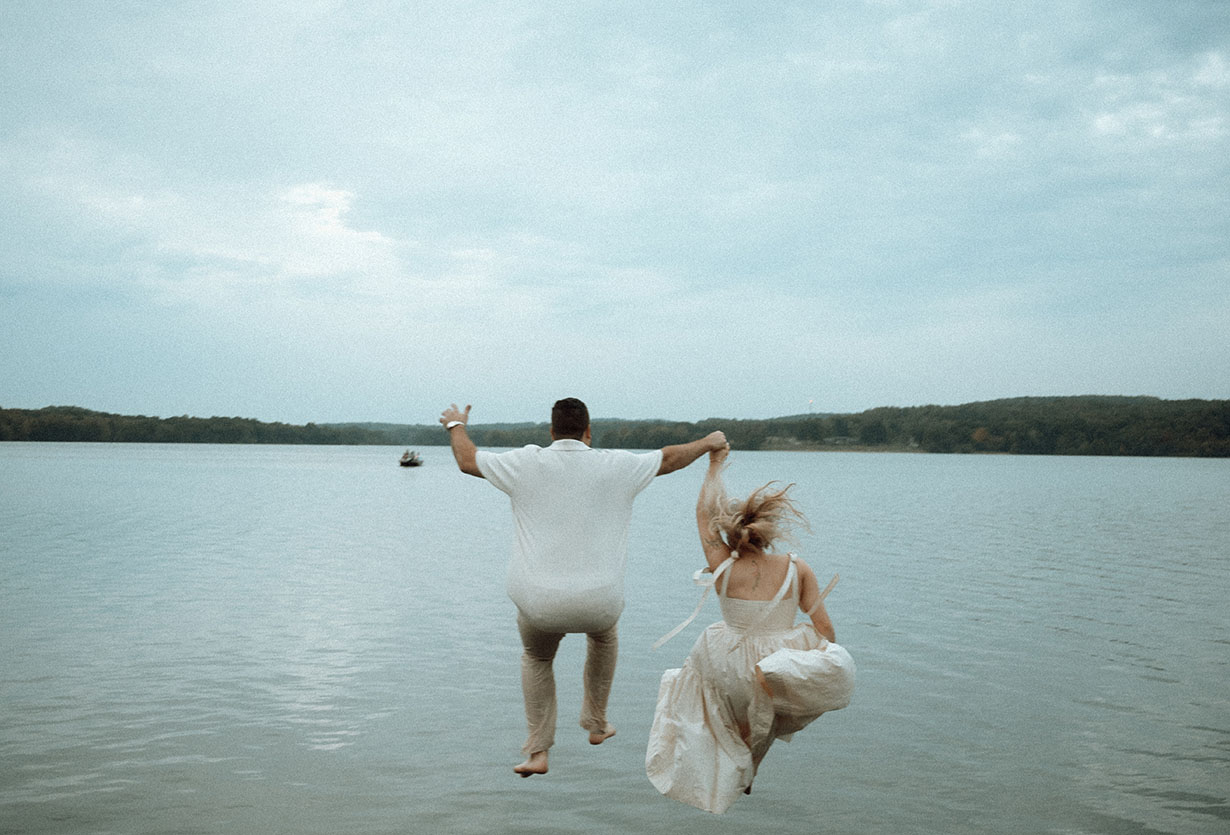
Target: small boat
{"type": "Point", "coordinates": [410, 459]}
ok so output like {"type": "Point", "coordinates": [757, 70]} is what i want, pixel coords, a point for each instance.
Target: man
{"type": "Point", "coordinates": [571, 508]}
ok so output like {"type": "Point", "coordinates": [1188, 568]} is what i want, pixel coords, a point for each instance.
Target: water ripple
{"type": "Point", "coordinates": [225, 639]}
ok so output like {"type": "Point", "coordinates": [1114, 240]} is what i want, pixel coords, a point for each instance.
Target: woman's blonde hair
{"type": "Point", "coordinates": [754, 523]}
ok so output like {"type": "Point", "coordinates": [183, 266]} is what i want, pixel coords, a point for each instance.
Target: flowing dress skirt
{"type": "Point", "coordinates": [714, 722]}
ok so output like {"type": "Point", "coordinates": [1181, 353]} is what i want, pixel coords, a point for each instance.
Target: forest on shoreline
{"type": "Point", "coordinates": [1082, 425]}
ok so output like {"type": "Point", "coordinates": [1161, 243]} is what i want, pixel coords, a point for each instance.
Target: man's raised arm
{"type": "Point", "coordinates": [680, 455]}
{"type": "Point", "coordinates": [464, 451]}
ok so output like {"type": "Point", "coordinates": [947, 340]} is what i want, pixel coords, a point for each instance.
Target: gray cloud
{"type": "Point", "coordinates": [857, 203]}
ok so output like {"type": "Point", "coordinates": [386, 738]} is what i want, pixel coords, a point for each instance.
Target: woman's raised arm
{"type": "Point", "coordinates": [709, 503]}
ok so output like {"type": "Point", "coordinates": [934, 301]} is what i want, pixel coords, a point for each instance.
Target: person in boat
{"type": "Point", "coordinates": [571, 508]}
{"type": "Point", "coordinates": [756, 675]}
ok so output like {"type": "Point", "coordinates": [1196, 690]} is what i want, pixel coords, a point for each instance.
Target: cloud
{"type": "Point", "coordinates": [239, 231]}
{"type": "Point", "coordinates": [1179, 103]}
{"type": "Point", "coordinates": [892, 200]}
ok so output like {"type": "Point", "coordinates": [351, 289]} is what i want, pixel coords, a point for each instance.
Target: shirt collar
{"type": "Point", "coordinates": [568, 445]}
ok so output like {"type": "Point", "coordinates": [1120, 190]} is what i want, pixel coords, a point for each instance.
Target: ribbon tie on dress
{"type": "Point", "coordinates": [708, 581]}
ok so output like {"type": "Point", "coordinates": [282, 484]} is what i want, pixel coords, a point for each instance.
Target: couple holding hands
{"type": "Point", "coordinates": [751, 678]}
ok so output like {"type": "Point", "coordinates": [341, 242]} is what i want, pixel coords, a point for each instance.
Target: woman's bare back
{"type": "Point", "coordinates": [756, 576]}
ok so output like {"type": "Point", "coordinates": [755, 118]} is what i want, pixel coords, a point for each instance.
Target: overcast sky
{"type": "Point", "coordinates": [330, 211]}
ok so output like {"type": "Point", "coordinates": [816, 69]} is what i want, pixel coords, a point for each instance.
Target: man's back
{"type": "Point", "coordinates": [571, 506]}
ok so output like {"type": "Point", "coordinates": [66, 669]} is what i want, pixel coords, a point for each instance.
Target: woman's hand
{"type": "Point", "coordinates": [718, 447]}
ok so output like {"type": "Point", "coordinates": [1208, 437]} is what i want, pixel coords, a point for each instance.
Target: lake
{"type": "Point", "coordinates": [235, 639]}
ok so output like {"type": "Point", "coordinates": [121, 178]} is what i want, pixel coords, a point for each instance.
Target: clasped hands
{"type": "Point", "coordinates": [719, 447]}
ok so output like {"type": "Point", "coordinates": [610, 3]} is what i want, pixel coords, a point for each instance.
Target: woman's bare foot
{"type": "Point", "coordinates": [599, 737]}
{"type": "Point", "coordinates": [536, 764]}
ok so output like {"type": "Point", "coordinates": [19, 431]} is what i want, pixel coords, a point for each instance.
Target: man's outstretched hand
{"type": "Point", "coordinates": [453, 413]}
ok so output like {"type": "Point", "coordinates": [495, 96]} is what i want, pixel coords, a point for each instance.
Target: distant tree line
{"type": "Point", "coordinates": [71, 423]}
{"type": "Point", "coordinates": [1089, 425]}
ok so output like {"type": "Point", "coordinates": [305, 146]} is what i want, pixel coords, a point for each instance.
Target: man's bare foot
{"type": "Point", "coordinates": [536, 764]}
{"type": "Point", "coordinates": [599, 737]}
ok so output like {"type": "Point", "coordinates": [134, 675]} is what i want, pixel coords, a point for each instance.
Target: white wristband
{"type": "Point", "coordinates": [453, 424]}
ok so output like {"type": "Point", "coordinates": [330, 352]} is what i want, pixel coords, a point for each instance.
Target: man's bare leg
{"type": "Point", "coordinates": [536, 764]}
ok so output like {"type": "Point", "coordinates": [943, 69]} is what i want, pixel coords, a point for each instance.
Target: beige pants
{"type": "Point", "coordinates": [538, 681]}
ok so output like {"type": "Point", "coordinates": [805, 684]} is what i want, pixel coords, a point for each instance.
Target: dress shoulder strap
{"type": "Point", "coordinates": [710, 581]}
{"type": "Point", "coordinates": [790, 581]}
{"type": "Point", "coordinates": [792, 574]}
{"type": "Point", "coordinates": [787, 584]}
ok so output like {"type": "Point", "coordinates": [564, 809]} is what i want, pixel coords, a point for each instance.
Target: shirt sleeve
{"type": "Point", "coordinates": [500, 468]}
{"type": "Point", "coordinates": [645, 466]}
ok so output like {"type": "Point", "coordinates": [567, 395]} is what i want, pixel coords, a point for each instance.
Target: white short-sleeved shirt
{"type": "Point", "coordinates": [571, 508]}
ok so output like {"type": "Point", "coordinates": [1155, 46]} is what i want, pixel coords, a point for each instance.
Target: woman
{"type": "Point", "coordinates": [717, 716]}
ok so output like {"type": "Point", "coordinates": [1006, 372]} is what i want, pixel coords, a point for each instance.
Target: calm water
{"type": "Point", "coordinates": [222, 639]}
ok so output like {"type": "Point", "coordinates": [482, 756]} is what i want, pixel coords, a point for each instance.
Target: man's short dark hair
{"type": "Point", "coordinates": [569, 418]}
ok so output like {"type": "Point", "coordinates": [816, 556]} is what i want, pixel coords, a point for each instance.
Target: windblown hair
{"type": "Point", "coordinates": [754, 523]}
{"type": "Point", "coordinates": [569, 418]}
